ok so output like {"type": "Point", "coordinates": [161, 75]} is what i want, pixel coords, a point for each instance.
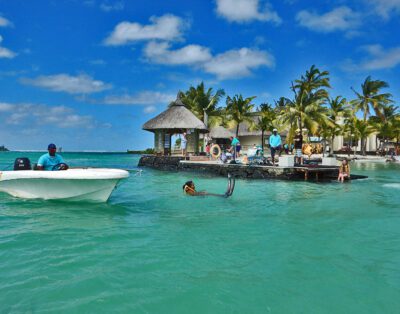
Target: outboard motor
{"type": "Point", "coordinates": [22, 163]}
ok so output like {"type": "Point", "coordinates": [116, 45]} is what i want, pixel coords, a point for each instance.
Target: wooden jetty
{"type": "Point", "coordinates": [253, 171]}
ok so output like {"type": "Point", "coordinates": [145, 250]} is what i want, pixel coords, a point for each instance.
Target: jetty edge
{"type": "Point", "coordinates": [304, 172]}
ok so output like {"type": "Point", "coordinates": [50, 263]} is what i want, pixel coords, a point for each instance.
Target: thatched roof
{"type": "Point", "coordinates": [244, 130]}
{"type": "Point", "coordinates": [177, 118]}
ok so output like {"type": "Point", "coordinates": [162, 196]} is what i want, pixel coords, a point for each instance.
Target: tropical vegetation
{"type": "Point", "coordinates": [311, 109]}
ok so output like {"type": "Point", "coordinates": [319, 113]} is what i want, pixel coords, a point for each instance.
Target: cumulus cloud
{"type": "Point", "coordinates": [190, 54]}
{"type": "Point", "coordinates": [4, 52]}
{"type": "Point", "coordinates": [4, 22]}
{"type": "Point", "coordinates": [385, 8]}
{"type": "Point", "coordinates": [167, 27]}
{"type": "Point", "coordinates": [339, 19]}
{"type": "Point", "coordinates": [246, 10]}
{"type": "Point", "coordinates": [5, 107]}
{"type": "Point", "coordinates": [379, 58]}
{"type": "Point", "coordinates": [238, 63]}
{"type": "Point", "coordinates": [81, 84]}
{"type": "Point", "coordinates": [141, 98]}
{"type": "Point", "coordinates": [38, 114]}
{"type": "Point", "coordinates": [116, 6]}
{"type": "Point", "coordinates": [231, 64]}
{"type": "Point", "coordinates": [149, 109]}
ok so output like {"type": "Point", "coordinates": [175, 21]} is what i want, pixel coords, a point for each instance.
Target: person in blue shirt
{"type": "Point", "coordinates": [235, 146]}
{"type": "Point", "coordinates": [51, 160]}
{"type": "Point", "coordinates": [275, 143]}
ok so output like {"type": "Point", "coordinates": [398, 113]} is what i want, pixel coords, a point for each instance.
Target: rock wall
{"type": "Point", "coordinates": [237, 170]}
{"type": "Point", "coordinates": [160, 162]}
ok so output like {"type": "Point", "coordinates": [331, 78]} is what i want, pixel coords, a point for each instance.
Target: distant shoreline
{"type": "Point", "coordinates": [69, 152]}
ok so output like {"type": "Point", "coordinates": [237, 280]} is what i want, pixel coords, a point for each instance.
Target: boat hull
{"type": "Point", "coordinates": [90, 185]}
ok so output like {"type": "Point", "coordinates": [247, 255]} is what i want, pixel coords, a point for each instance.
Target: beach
{"type": "Point", "coordinates": [273, 247]}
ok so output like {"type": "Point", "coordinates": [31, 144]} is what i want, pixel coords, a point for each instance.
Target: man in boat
{"type": "Point", "coordinates": [51, 161]}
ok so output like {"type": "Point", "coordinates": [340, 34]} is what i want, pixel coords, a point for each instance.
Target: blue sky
{"type": "Point", "coordinates": [87, 74]}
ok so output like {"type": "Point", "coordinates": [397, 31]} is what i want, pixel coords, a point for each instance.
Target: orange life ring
{"type": "Point", "coordinates": [215, 154]}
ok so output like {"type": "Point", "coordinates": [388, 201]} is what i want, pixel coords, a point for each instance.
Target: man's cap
{"type": "Point", "coordinates": [52, 146]}
{"type": "Point", "coordinates": [274, 130]}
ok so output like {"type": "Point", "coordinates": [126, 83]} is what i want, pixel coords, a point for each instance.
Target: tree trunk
{"type": "Point", "coordinates": [331, 148]}
{"type": "Point", "coordinates": [205, 120]}
{"type": "Point", "coordinates": [364, 146]}
{"type": "Point", "coordinates": [262, 140]}
{"type": "Point", "coordinates": [355, 149]}
{"type": "Point", "coordinates": [237, 130]}
{"type": "Point", "coordinates": [351, 145]}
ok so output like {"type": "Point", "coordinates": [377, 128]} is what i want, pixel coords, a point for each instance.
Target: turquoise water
{"type": "Point", "coordinates": [274, 247]}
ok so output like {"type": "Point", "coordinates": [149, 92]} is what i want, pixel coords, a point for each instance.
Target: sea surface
{"type": "Point", "coordinates": [273, 247]}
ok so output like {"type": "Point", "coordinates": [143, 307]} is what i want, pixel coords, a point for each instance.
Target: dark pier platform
{"type": "Point", "coordinates": [311, 172]}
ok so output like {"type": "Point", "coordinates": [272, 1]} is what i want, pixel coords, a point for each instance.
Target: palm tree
{"type": "Point", "coordinates": [309, 96]}
{"type": "Point", "coordinates": [337, 108]}
{"type": "Point", "coordinates": [239, 110]}
{"type": "Point", "coordinates": [362, 130]}
{"type": "Point", "coordinates": [203, 103]}
{"type": "Point", "coordinates": [350, 129]}
{"type": "Point", "coordinates": [266, 120]}
{"type": "Point", "coordinates": [358, 129]}
{"type": "Point", "coordinates": [386, 126]}
{"type": "Point", "coordinates": [370, 96]}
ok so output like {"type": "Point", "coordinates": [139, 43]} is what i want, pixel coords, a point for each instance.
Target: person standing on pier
{"type": "Point", "coordinates": [298, 145]}
{"type": "Point", "coordinates": [275, 143]}
{"type": "Point", "coordinates": [183, 144]}
{"type": "Point", "coordinates": [235, 147]}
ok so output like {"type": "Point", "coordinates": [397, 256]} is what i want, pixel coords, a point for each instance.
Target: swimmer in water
{"type": "Point", "coordinates": [190, 189]}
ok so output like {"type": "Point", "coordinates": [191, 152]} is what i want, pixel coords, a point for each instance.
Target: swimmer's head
{"type": "Point", "coordinates": [189, 184]}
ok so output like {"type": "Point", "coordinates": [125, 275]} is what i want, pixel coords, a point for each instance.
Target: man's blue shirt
{"type": "Point", "coordinates": [235, 142]}
{"type": "Point", "coordinates": [275, 140]}
{"type": "Point", "coordinates": [48, 162]}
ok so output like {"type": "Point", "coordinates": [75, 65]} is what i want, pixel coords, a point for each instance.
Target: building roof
{"type": "Point", "coordinates": [244, 130]}
{"type": "Point", "coordinates": [177, 117]}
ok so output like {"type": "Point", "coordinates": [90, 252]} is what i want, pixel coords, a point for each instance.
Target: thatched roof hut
{"type": "Point", "coordinates": [175, 119]}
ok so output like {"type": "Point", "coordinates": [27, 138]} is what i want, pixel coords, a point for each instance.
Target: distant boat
{"type": "Point", "coordinates": [60, 149]}
{"type": "Point", "coordinates": [3, 149]}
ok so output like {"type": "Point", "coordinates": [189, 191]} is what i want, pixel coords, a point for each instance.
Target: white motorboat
{"type": "Point", "coordinates": [86, 184]}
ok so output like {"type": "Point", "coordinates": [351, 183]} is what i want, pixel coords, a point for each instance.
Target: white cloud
{"type": "Point", "coordinates": [231, 64]}
{"type": "Point", "coordinates": [5, 107]}
{"type": "Point", "coordinates": [4, 22]}
{"type": "Point", "coordinates": [339, 19]}
{"type": "Point", "coordinates": [385, 8]}
{"type": "Point", "coordinates": [4, 52]}
{"type": "Point", "coordinates": [81, 84]}
{"type": "Point", "coordinates": [141, 98]}
{"type": "Point", "coordinates": [246, 11]}
{"type": "Point", "coordinates": [38, 114]}
{"type": "Point", "coordinates": [167, 27]}
{"type": "Point", "coordinates": [238, 63]}
{"type": "Point", "coordinates": [149, 109]}
{"type": "Point", "coordinates": [188, 55]}
{"type": "Point", "coordinates": [116, 6]}
{"type": "Point", "coordinates": [379, 58]}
